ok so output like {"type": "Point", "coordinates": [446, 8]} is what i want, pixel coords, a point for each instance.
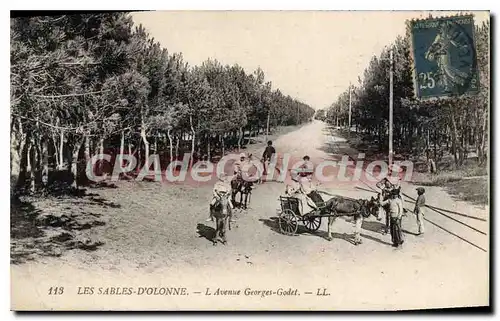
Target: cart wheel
{"type": "Point", "coordinates": [312, 223]}
{"type": "Point", "coordinates": [288, 222]}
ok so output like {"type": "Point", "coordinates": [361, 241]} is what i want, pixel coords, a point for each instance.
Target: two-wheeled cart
{"type": "Point", "coordinates": [291, 214]}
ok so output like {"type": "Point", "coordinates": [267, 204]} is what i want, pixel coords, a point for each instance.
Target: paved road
{"type": "Point", "coordinates": [158, 237]}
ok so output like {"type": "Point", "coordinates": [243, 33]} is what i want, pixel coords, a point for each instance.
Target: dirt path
{"type": "Point", "coordinates": [158, 236]}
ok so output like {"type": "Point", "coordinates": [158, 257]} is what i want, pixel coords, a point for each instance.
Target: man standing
{"type": "Point", "coordinates": [267, 155]}
{"type": "Point", "coordinates": [388, 185]}
{"type": "Point", "coordinates": [395, 208]}
{"type": "Point", "coordinates": [419, 209]}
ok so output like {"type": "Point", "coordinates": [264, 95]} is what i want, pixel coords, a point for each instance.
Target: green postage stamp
{"type": "Point", "coordinates": [444, 57]}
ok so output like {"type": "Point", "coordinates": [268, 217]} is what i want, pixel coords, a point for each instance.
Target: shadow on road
{"type": "Point", "coordinates": [272, 223]}
{"type": "Point", "coordinates": [373, 226]}
{"type": "Point", "coordinates": [408, 232]}
{"type": "Point", "coordinates": [23, 220]}
{"type": "Point", "coordinates": [51, 224]}
{"type": "Point", "coordinates": [205, 231]}
{"type": "Point", "coordinates": [341, 236]}
{"type": "Point", "coordinates": [375, 239]}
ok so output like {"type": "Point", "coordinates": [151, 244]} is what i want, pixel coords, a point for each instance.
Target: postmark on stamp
{"type": "Point", "coordinates": [444, 57]}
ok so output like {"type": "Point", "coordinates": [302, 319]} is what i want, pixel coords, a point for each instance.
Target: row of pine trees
{"type": "Point", "coordinates": [83, 84]}
{"type": "Point", "coordinates": [434, 128]}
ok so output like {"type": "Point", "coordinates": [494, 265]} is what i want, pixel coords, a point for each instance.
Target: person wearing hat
{"type": "Point", "coordinates": [308, 193]}
{"type": "Point", "coordinates": [302, 172]}
{"type": "Point", "coordinates": [238, 167]}
{"type": "Point", "coordinates": [306, 168]}
{"type": "Point", "coordinates": [395, 208]}
{"type": "Point", "coordinates": [389, 184]}
{"type": "Point", "coordinates": [221, 186]}
{"type": "Point", "coordinates": [267, 155]}
{"type": "Point", "coordinates": [386, 186]}
{"type": "Point", "coordinates": [419, 209]}
{"type": "Point", "coordinates": [304, 176]}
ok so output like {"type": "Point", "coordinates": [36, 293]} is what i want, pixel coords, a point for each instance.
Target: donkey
{"type": "Point", "coordinates": [359, 209]}
{"type": "Point", "coordinates": [222, 213]}
{"type": "Point", "coordinates": [245, 189]}
{"type": "Point", "coordinates": [242, 186]}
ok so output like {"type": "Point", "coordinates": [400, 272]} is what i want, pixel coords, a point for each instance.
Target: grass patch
{"type": "Point", "coordinates": [440, 179]}
{"type": "Point", "coordinates": [473, 190]}
{"type": "Point", "coordinates": [444, 177]}
{"type": "Point", "coordinates": [470, 184]}
{"type": "Point", "coordinates": [471, 171]}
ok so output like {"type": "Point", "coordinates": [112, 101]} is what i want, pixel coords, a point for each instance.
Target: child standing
{"type": "Point", "coordinates": [221, 186]}
{"type": "Point", "coordinates": [419, 210]}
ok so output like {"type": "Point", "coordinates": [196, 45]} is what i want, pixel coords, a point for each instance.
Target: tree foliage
{"type": "Point", "coordinates": [87, 82]}
{"type": "Point", "coordinates": [455, 125]}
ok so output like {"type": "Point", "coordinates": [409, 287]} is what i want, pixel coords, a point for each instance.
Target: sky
{"type": "Point", "coordinates": [309, 55]}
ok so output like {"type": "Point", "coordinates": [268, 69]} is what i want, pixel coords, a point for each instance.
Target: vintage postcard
{"type": "Point", "coordinates": [250, 160]}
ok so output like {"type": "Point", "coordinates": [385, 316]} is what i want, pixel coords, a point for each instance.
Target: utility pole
{"type": "Point", "coordinates": [267, 128]}
{"type": "Point", "coordinates": [349, 129]}
{"type": "Point", "coordinates": [297, 114]}
{"type": "Point", "coordinates": [337, 116]}
{"type": "Point", "coordinates": [268, 115]}
{"type": "Point", "coordinates": [390, 107]}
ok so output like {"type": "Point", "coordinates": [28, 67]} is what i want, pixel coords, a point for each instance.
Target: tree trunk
{"type": "Point", "coordinates": [56, 151]}
{"type": "Point", "coordinates": [178, 138]}
{"type": "Point", "coordinates": [61, 150]}
{"type": "Point", "coordinates": [208, 148]}
{"type": "Point", "coordinates": [86, 151]}
{"type": "Point", "coordinates": [37, 157]}
{"type": "Point", "coordinates": [170, 146]}
{"type": "Point", "coordinates": [198, 150]}
{"type": "Point", "coordinates": [29, 159]}
{"type": "Point", "coordinates": [193, 134]}
{"type": "Point", "coordinates": [74, 161]}
{"type": "Point", "coordinates": [240, 138]}
{"type": "Point", "coordinates": [129, 149]}
{"type": "Point", "coordinates": [32, 163]}
{"type": "Point", "coordinates": [100, 152]}
{"type": "Point", "coordinates": [435, 144]}
{"type": "Point", "coordinates": [484, 138]}
{"type": "Point", "coordinates": [223, 147]}
{"type": "Point", "coordinates": [145, 140]}
{"type": "Point", "coordinates": [17, 145]}
{"type": "Point", "coordinates": [463, 149]}
{"type": "Point", "coordinates": [122, 147]}
{"type": "Point", "coordinates": [454, 135]}
{"type": "Point", "coordinates": [55, 155]}
{"type": "Point", "coordinates": [428, 141]}
{"type": "Point", "coordinates": [45, 162]}
{"type": "Point", "coordinates": [24, 154]}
